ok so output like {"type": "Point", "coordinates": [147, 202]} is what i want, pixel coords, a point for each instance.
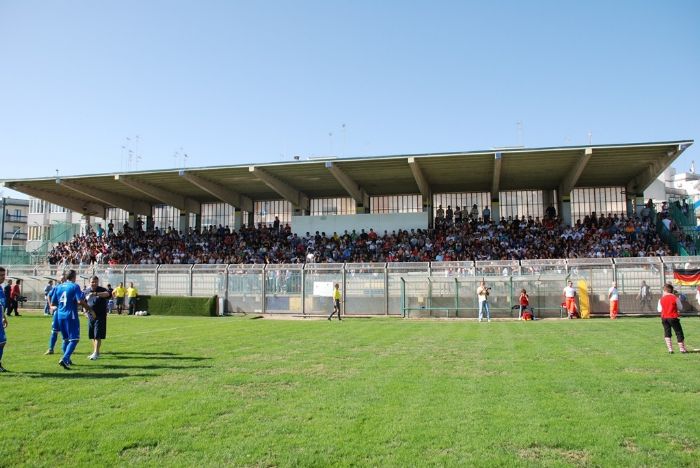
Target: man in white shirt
{"type": "Point", "coordinates": [483, 294]}
{"type": "Point", "coordinates": [570, 300]}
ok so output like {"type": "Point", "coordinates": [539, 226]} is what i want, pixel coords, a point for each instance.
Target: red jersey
{"type": "Point", "coordinates": [524, 300]}
{"type": "Point", "coordinates": [669, 306]}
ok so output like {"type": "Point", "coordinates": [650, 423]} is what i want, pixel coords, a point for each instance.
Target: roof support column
{"type": "Point", "coordinates": [184, 223]}
{"type": "Point", "coordinates": [548, 201]}
{"type": "Point", "coordinates": [564, 207]}
{"type": "Point", "coordinates": [568, 185]}
{"type": "Point", "coordinates": [298, 199]}
{"type": "Point", "coordinates": [356, 192]}
{"type": "Point", "coordinates": [424, 188]}
{"type": "Point", "coordinates": [496, 188]}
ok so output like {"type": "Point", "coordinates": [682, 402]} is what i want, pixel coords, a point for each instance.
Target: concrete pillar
{"type": "Point", "coordinates": [495, 211]}
{"type": "Point", "coordinates": [564, 207]}
{"type": "Point", "coordinates": [629, 205]}
{"type": "Point", "coordinates": [184, 223]}
{"type": "Point", "coordinates": [638, 204]}
{"type": "Point", "coordinates": [428, 205]}
{"type": "Point", "coordinates": [547, 200]}
{"type": "Point", "coordinates": [250, 222]}
{"type": "Point", "coordinates": [132, 220]}
{"type": "Point", "coordinates": [85, 224]}
{"type": "Point", "coordinates": [150, 223]}
{"type": "Point", "coordinates": [198, 222]}
{"type": "Point", "coordinates": [237, 220]}
{"type": "Point", "coordinates": [361, 208]}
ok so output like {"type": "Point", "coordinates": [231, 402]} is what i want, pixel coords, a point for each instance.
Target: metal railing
{"type": "Point", "coordinates": [438, 289]}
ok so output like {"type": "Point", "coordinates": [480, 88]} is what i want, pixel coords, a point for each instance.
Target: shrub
{"type": "Point", "coordinates": [178, 305]}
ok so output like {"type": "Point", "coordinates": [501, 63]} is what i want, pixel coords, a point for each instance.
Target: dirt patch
{"type": "Point", "coordinates": [543, 453]}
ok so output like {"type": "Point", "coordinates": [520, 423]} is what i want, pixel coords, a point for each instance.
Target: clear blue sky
{"type": "Point", "coordinates": [244, 82]}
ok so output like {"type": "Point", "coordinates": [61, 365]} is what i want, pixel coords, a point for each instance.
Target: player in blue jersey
{"type": "Point", "coordinates": [54, 319]}
{"type": "Point", "coordinates": [68, 297]}
{"type": "Point", "coordinates": [3, 338]}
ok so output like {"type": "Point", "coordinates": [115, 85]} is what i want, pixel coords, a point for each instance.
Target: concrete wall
{"type": "Point", "coordinates": [339, 223]}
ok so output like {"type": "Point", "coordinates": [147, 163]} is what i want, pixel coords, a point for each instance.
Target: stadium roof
{"type": "Point", "coordinates": [632, 166]}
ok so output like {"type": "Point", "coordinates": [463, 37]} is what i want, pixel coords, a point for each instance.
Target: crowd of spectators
{"type": "Point", "coordinates": [452, 239]}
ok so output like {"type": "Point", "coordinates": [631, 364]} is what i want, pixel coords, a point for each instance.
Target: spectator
{"type": "Point", "coordinates": [644, 296]}
{"type": "Point", "coordinates": [483, 292]}
{"type": "Point", "coordinates": [486, 214]}
{"type": "Point", "coordinates": [570, 301]}
{"type": "Point", "coordinates": [511, 239]}
{"type": "Point", "coordinates": [614, 298]}
{"type": "Point", "coordinates": [47, 304]}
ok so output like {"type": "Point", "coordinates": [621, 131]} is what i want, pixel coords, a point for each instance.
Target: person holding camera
{"type": "Point", "coordinates": [15, 298]}
{"type": "Point", "coordinates": [482, 293]}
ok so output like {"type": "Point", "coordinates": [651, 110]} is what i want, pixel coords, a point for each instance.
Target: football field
{"type": "Point", "coordinates": [180, 391]}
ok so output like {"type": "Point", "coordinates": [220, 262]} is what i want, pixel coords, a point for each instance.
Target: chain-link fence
{"type": "Point", "coordinates": [440, 289]}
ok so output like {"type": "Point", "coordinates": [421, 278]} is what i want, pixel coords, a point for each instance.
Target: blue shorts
{"type": "Point", "coordinates": [3, 337]}
{"type": "Point", "coordinates": [69, 328]}
{"type": "Point", "coordinates": [54, 322]}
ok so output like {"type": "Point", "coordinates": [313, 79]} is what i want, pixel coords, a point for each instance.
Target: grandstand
{"type": "Point", "coordinates": [239, 230]}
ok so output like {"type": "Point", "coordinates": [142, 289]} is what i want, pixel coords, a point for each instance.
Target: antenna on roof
{"type": "Point", "coordinates": [343, 130]}
{"type": "Point", "coordinates": [137, 157]}
{"type": "Point", "coordinates": [590, 137]}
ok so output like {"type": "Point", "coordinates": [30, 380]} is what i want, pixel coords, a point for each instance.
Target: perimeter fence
{"type": "Point", "coordinates": [438, 289]}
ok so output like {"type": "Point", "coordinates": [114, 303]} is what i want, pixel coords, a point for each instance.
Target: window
{"type": "Point", "coordinates": [37, 206]}
{"type": "Point", "coordinates": [603, 200]}
{"type": "Point", "coordinates": [521, 203]}
{"type": "Point", "coordinates": [214, 214]}
{"type": "Point", "coordinates": [117, 217]}
{"type": "Point", "coordinates": [265, 212]}
{"type": "Point", "coordinates": [332, 206]}
{"type": "Point", "coordinates": [396, 204]}
{"type": "Point", "coordinates": [165, 216]}
{"type": "Point", "coordinates": [36, 233]}
{"type": "Point", "coordinates": [464, 200]}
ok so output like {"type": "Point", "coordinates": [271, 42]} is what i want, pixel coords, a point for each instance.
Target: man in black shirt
{"type": "Point", "coordinates": [96, 297]}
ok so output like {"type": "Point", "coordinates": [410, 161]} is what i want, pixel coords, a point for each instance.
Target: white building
{"type": "Point", "coordinates": [47, 221]}
{"type": "Point", "coordinates": [13, 222]}
{"type": "Point", "coordinates": [673, 184]}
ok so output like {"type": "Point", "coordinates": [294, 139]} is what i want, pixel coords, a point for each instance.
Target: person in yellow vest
{"type": "Point", "coordinates": [336, 301]}
{"type": "Point", "coordinates": [132, 293]}
{"type": "Point", "coordinates": [119, 293]}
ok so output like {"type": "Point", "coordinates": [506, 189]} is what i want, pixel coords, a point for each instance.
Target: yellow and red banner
{"type": "Point", "coordinates": [686, 276]}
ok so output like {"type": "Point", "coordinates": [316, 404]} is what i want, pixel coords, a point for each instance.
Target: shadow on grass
{"type": "Point", "coordinates": [140, 353]}
{"type": "Point", "coordinates": [147, 356]}
{"type": "Point", "coordinates": [151, 367]}
{"type": "Point", "coordinates": [72, 374]}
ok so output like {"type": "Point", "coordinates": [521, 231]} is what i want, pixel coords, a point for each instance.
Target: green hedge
{"type": "Point", "coordinates": [178, 305]}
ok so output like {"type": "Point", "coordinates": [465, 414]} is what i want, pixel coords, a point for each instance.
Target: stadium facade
{"type": "Point", "coordinates": [382, 192]}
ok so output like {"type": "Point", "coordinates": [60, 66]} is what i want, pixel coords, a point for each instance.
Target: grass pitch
{"type": "Point", "coordinates": [175, 391]}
